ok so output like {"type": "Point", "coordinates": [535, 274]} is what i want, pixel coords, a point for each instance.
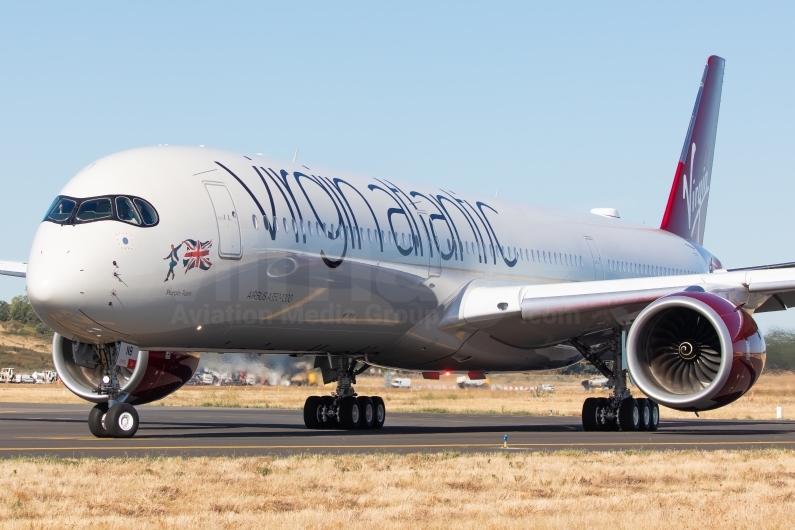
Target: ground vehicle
{"type": "Point", "coordinates": [465, 382]}
{"type": "Point", "coordinates": [401, 382]}
{"type": "Point", "coordinates": [7, 375]}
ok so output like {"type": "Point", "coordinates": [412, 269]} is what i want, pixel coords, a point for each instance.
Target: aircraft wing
{"type": "Point", "coordinates": [536, 315]}
{"type": "Point", "coordinates": [13, 268]}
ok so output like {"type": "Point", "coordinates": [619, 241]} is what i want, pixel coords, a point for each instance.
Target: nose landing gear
{"type": "Point", "coordinates": [118, 421]}
{"type": "Point", "coordinates": [344, 409]}
{"type": "Point", "coordinates": [114, 419]}
{"type": "Point", "coordinates": [620, 410]}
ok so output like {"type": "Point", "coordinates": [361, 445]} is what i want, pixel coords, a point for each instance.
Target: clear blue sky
{"type": "Point", "coordinates": [573, 105]}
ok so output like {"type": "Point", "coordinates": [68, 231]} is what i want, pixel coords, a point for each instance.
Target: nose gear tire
{"type": "Point", "coordinates": [122, 420]}
{"type": "Point", "coordinates": [95, 423]}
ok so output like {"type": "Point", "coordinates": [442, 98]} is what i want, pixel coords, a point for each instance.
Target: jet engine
{"type": "Point", "coordinates": [694, 351]}
{"type": "Point", "coordinates": [154, 375]}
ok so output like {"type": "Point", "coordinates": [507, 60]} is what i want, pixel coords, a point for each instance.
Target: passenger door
{"type": "Point", "coordinates": [226, 217]}
{"type": "Point", "coordinates": [598, 268]}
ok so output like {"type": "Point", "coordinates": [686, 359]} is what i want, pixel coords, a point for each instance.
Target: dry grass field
{"type": "Point", "coordinates": [759, 404]}
{"type": "Point", "coordinates": [506, 490]}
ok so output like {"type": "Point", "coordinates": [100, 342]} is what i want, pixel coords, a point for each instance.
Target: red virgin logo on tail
{"type": "Point", "coordinates": [695, 196]}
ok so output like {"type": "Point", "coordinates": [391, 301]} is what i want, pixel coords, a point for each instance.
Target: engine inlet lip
{"type": "Point", "coordinates": [82, 391]}
{"type": "Point", "coordinates": [650, 387]}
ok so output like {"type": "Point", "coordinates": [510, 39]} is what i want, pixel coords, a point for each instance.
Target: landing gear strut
{"type": "Point", "coordinates": [114, 419]}
{"type": "Point", "coordinates": [344, 409]}
{"type": "Point", "coordinates": [620, 410]}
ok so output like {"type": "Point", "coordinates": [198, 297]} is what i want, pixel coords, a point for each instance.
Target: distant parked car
{"type": "Point", "coordinates": [401, 383]}
{"type": "Point", "coordinates": [548, 388]}
{"type": "Point", "coordinates": [465, 382]}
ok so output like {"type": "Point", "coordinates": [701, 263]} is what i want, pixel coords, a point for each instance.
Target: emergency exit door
{"type": "Point", "coordinates": [596, 256]}
{"type": "Point", "coordinates": [226, 218]}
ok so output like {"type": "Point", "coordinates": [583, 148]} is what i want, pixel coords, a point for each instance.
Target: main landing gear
{"type": "Point", "coordinates": [344, 409]}
{"type": "Point", "coordinates": [620, 410]}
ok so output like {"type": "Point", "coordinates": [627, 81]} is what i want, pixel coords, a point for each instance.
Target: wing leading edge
{"type": "Point", "coordinates": [540, 315]}
{"type": "Point", "coordinates": [13, 268]}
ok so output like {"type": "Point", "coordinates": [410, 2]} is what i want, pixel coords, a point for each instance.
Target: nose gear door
{"type": "Point", "coordinates": [226, 217]}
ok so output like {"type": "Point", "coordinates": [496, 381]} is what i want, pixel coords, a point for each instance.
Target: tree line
{"type": "Point", "coordinates": [21, 312]}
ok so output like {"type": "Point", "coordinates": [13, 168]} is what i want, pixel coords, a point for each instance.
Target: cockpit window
{"type": "Point", "coordinates": [148, 213]}
{"type": "Point", "coordinates": [61, 209]}
{"type": "Point", "coordinates": [128, 209]}
{"type": "Point", "coordinates": [94, 209]}
{"type": "Point", "coordinates": [125, 211]}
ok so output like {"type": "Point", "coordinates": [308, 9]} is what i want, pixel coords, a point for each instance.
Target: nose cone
{"type": "Point", "coordinates": [56, 275]}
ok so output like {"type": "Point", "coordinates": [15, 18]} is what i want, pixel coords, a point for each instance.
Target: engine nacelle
{"type": "Point", "coordinates": [156, 373]}
{"type": "Point", "coordinates": [694, 351]}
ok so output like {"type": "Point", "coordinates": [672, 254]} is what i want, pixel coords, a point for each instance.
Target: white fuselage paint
{"type": "Point", "coordinates": [292, 290]}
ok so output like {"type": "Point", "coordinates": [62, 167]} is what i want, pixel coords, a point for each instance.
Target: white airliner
{"type": "Point", "coordinates": [152, 254]}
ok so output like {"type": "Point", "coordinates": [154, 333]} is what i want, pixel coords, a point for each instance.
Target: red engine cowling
{"type": "Point", "coordinates": [694, 351]}
{"type": "Point", "coordinates": [156, 373]}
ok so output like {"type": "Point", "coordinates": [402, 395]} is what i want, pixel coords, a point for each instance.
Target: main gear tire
{"type": "Point", "coordinates": [313, 412]}
{"type": "Point", "coordinates": [590, 414]}
{"type": "Point", "coordinates": [379, 412]}
{"type": "Point", "coordinates": [367, 410]}
{"type": "Point", "coordinates": [654, 415]}
{"type": "Point", "coordinates": [629, 415]}
{"type": "Point", "coordinates": [350, 413]}
{"type": "Point", "coordinates": [645, 414]}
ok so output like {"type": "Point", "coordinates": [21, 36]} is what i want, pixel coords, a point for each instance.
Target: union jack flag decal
{"type": "Point", "coordinates": [197, 254]}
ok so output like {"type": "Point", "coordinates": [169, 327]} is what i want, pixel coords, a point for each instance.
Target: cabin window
{"type": "Point", "coordinates": [265, 222]}
{"type": "Point", "coordinates": [309, 227]}
{"type": "Point", "coordinates": [255, 221]}
{"type": "Point", "coordinates": [295, 226]}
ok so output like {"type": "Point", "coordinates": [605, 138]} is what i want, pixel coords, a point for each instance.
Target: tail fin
{"type": "Point", "coordinates": [686, 212]}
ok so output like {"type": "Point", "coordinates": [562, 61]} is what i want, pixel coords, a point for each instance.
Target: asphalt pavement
{"type": "Point", "coordinates": [37, 430]}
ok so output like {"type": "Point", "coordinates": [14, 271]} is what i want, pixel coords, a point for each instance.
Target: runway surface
{"type": "Point", "coordinates": [38, 430]}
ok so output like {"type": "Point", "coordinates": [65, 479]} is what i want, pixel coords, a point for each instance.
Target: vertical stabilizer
{"type": "Point", "coordinates": [686, 212]}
